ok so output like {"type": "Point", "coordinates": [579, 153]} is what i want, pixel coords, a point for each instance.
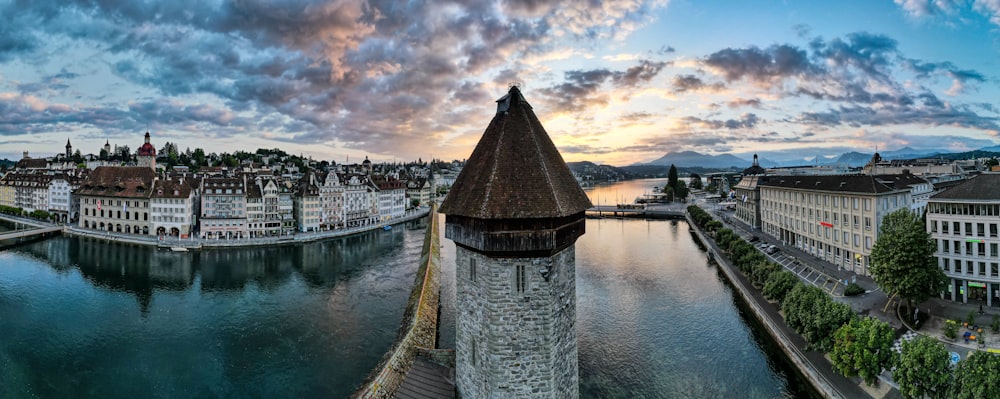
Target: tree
{"type": "Point", "coordinates": [199, 157]}
{"type": "Point", "coordinates": [863, 347]}
{"type": "Point", "coordinates": [902, 260]}
{"type": "Point", "coordinates": [978, 376]}
{"type": "Point", "coordinates": [991, 163]}
{"type": "Point", "coordinates": [669, 193]}
{"type": "Point", "coordinates": [923, 369]}
{"type": "Point", "coordinates": [672, 177]}
{"type": "Point", "coordinates": [779, 284]}
{"type": "Point", "coordinates": [695, 181]}
{"type": "Point", "coordinates": [681, 190]}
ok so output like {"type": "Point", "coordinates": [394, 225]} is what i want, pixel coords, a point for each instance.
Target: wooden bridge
{"type": "Point", "coordinates": [19, 236]}
{"type": "Point", "coordinates": [635, 212]}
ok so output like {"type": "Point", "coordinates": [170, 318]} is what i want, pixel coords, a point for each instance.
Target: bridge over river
{"type": "Point", "coordinates": [19, 236]}
{"type": "Point", "coordinates": [673, 211]}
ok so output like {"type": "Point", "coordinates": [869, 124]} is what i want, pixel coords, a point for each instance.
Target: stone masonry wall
{"type": "Point", "coordinates": [512, 344]}
{"type": "Point", "coordinates": [419, 326]}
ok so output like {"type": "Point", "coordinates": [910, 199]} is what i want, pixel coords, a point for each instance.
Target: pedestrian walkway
{"type": "Point", "coordinates": [876, 303]}
{"type": "Point", "coordinates": [908, 336]}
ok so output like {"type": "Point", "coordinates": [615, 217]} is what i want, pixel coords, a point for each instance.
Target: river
{"type": "Point", "coordinates": [654, 318]}
{"type": "Point", "coordinates": [87, 318]}
{"type": "Point", "coordinates": [92, 319]}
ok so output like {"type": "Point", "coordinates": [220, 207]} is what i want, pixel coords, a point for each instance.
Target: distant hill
{"type": "Point", "coordinates": [696, 159]}
{"type": "Point", "coordinates": [590, 171]}
{"type": "Point", "coordinates": [853, 159]}
{"type": "Point", "coordinates": [7, 164]}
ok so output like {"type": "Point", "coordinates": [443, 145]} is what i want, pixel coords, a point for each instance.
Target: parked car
{"type": "Point", "coordinates": [771, 249]}
{"type": "Point", "coordinates": [754, 239]}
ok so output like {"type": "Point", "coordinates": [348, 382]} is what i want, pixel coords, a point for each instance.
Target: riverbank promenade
{"type": "Point", "coordinates": [198, 243]}
{"type": "Point", "coordinates": [876, 303]}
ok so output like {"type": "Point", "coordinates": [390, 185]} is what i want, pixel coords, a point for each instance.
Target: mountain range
{"type": "Point", "coordinates": [692, 159]}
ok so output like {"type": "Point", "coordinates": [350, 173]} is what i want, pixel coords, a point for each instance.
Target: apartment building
{"type": "Point", "coordinates": [835, 218]}
{"type": "Point", "coordinates": [964, 222]}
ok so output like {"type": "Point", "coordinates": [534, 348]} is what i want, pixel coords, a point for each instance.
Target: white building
{"type": "Point", "coordinates": [172, 207]}
{"type": "Point", "coordinates": [223, 208]}
{"type": "Point", "coordinates": [308, 208]}
{"type": "Point", "coordinates": [835, 218]}
{"type": "Point", "coordinates": [964, 222]}
{"type": "Point", "coordinates": [391, 198]}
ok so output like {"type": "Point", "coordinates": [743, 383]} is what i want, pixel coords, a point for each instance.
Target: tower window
{"type": "Point", "coordinates": [519, 278]}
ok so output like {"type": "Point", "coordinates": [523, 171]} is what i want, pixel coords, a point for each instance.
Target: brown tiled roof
{"type": "Point", "coordinates": [515, 172]}
{"type": "Point", "coordinates": [32, 163]}
{"type": "Point", "coordinates": [864, 184]}
{"type": "Point", "coordinates": [118, 181]}
{"type": "Point", "coordinates": [165, 188]}
{"type": "Point", "coordinates": [253, 191]}
{"type": "Point", "coordinates": [979, 188]}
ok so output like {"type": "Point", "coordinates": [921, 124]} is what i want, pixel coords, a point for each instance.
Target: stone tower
{"type": "Point", "coordinates": [69, 149]}
{"type": "Point", "coordinates": [515, 213]}
{"type": "Point", "coordinates": [146, 155]}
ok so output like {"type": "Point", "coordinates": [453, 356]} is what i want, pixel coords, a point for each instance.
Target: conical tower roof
{"type": "Point", "coordinates": [515, 172]}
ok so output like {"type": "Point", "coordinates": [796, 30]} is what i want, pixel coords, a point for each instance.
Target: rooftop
{"type": "Point", "coordinates": [982, 187]}
{"type": "Point", "coordinates": [515, 172]}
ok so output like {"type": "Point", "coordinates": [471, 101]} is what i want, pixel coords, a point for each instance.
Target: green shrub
{"type": "Point", "coordinates": [971, 318]}
{"type": "Point", "coordinates": [996, 324]}
{"type": "Point", "coordinates": [853, 290]}
{"type": "Point", "coordinates": [951, 329]}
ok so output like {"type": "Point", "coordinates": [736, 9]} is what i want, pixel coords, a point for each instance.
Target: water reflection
{"type": "Point", "coordinates": [88, 318]}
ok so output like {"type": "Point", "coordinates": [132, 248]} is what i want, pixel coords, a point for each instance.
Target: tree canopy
{"type": "Point", "coordinates": [863, 347]}
{"type": "Point", "coordinates": [902, 260]}
{"type": "Point", "coordinates": [977, 376]}
{"type": "Point", "coordinates": [923, 369]}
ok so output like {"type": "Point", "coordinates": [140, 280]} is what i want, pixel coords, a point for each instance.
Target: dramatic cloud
{"type": "Point", "coordinates": [583, 89]}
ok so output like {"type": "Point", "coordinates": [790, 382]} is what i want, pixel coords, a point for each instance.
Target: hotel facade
{"type": "Point", "coordinates": [964, 222]}
{"type": "Point", "coordinates": [835, 218]}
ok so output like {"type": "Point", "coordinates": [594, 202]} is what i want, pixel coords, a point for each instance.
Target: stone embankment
{"type": "Point", "coordinates": [418, 329]}
{"type": "Point", "coordinates": [773, 327]}
{"type": "Point", "coordinates": [197, 243]}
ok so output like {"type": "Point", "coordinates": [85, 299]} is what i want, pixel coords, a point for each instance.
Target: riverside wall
{"type": "Point", "coordinates": [819, 382]}
{"type": "Point", "coordinates": [197, 243]}
{"type": "Point", "coordinates": [418, 329]}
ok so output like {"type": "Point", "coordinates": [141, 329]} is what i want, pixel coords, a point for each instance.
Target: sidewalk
{"type": "Point", "coordinates": [874, 300]}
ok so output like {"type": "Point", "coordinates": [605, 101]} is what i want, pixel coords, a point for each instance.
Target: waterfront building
{"type": "Point", "coordinates": [360, 200]}
{"type": "Point", "coordinates": [172, 207]}
{"type": "Point", "coordinates": [419, 188]}
{"type": "Point", "coordinates": [835, 218]}
{"type": "Point", "coordinates": [391, 197]}
{"type": "Point", "coordinates": [63, 205]}
{"type": "Point", "coordinates": [308, 207]}
{"type": "Point", "coordinates": [270, 196]}
{"type": "Point", "coordinates": [286, 206]}
{"type": "Point", "coordinates": [331, 198]}
{"type": "Point", "coordinates": [7, 190]}
{"type": "Point", "coordinates": [963, 221]}
{"type": "Point", "coordinates": [255, 210]}
{"type": "Point", "coordinates": [31, 190]}
{"type": "Point", "coordinates": [116, 199]}
{"type": "Point", "coordinates": [515, 213]}
{"type": "Point", "coordinates": [223, 208]}
{"type": "Point", "coordinates": [748, 196]}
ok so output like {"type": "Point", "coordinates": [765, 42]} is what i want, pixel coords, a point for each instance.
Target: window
{"type": "Point", "coordinates": [993, 230]}
{"type": "Point", "coordinates": [968, 267]}
{"type": "Point", "coordinates": [981, 229]}
{"type": "Point", "coordinates": [868, 204]}
{"type": "Point", "coordinates": [854, 203]}
{"type": "Point", "coordinates": [868, 223]}
{"type": "Point", "coordinates": [968, 248]}
{"type": "Point", "coordinates": [956, 228]}
{"type": "Point", "coordinates": [520, 279]}
{"type": "Point", "coordinates": [956, 247]}
{"type": "Point", "coordinates": [993, 250]}
{"type": "Point", "coordinates": [934, 226]}
{"type": "Point", "coordinates": [946, 246]}
{"type": "Point", "coordinates": [947, 265]}
{"type": "Point", "coordinates": [868, 242]}
{"type": "Point", "coordinates": [855, 218]}
{"type": "Point", "coordinates": [968, 229]}
{"type": "Point", "coordinates": [981, 249]}
{"type": "Point", "coordinates": [857, 240]}
{"type": "Point", "coordinates": [944, 227]}
{"type": "Point", "coordinates": [472, 269]}
{"type": "Point", "coordinates": [982, 268]}
{"type": "Point", "coordinates": [993, 270]}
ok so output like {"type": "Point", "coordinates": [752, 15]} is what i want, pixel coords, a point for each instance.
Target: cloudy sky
{"type": "Point", "coordinates": [616, 82]}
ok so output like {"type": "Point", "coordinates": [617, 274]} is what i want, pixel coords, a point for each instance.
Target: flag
{"type": "Point", "coordinates": [99, 204]}
{"type": "Point", "coordinates": [125, 207]}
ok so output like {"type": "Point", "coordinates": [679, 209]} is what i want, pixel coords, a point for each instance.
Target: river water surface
{"type": "Point", "coordinates": [86, 318]}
